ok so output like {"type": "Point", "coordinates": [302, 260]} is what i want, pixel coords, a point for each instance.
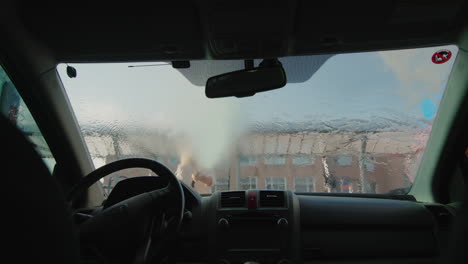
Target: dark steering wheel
{"type": "Point", "coordinates": [134, 229]}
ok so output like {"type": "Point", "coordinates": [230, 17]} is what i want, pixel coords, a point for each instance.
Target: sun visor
{"type": "Point", "coordinates": [298, 69]}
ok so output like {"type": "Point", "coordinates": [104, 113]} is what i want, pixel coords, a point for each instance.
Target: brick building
{"type": "Point", "coordinates": [302, 162]}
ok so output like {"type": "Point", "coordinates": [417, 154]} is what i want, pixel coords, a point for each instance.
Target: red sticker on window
{"type": "Point", "coordinates": [442, 56]}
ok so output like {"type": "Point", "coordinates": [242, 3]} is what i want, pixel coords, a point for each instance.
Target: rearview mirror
{"type": "Point", "coordinates": [267, 76]}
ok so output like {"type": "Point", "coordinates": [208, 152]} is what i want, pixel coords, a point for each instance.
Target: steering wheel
{"type": "Point", "coordinates": [134, 229]}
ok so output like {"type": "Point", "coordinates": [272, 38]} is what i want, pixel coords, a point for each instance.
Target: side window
{"type": "Point", "coordinates": [14, 109]}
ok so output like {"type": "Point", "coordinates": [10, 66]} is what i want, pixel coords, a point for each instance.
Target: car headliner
{"type": "Point", "coordinates": [183, 30]}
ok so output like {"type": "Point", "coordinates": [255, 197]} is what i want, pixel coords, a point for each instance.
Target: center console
{"type": "Point", "coordinates": [254, 226]}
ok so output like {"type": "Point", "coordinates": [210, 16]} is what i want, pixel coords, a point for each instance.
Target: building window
{"type": "Point", "coordinates": [275, 160]}
{"type": "Point", "coordinates": [370, 165]}
{"type": "Point", "coordinates": [344, 160]}
{"type": "Point", "coordinates": [275, 183]}
{"type": "Point", "coordinates": [248, 160]}
{"type": "Point", "coordinates": [248, 183]}
{"type": "Point", "coordinates": [302, 160]}
{"type": "Point", "coordinates": [222, 184]}
{"type": "Point", "coordinates": [304, 184]}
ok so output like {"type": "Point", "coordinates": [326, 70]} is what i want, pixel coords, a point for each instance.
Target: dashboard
{"type": "Point", "coordinates": [265, 226]}
{"type": "Point", "coordinates": [280, 227]}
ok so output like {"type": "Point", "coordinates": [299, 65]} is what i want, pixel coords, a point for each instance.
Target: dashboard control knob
{"type": "Point", "coordinates": [223, 223]}
{"type": "Point", "coordinates": [283, 223]}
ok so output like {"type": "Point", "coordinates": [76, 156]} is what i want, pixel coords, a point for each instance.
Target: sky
{"type": "Point", "coordinates": [397, 85]}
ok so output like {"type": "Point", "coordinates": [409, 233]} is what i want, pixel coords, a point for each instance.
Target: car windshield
{"type": "Point", "coordinates": [347, 123]}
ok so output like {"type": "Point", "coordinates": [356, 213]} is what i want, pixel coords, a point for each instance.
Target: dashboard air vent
{"type": "Point", "coordinates": [272, 199]}
{"type": "Point", "coordinates": [233, 199]}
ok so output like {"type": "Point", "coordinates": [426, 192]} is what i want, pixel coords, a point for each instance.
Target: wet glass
{"type": "Point", "coordinates": [350, 123]}
{"type": "Point", "coordinates": [15, 110]}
